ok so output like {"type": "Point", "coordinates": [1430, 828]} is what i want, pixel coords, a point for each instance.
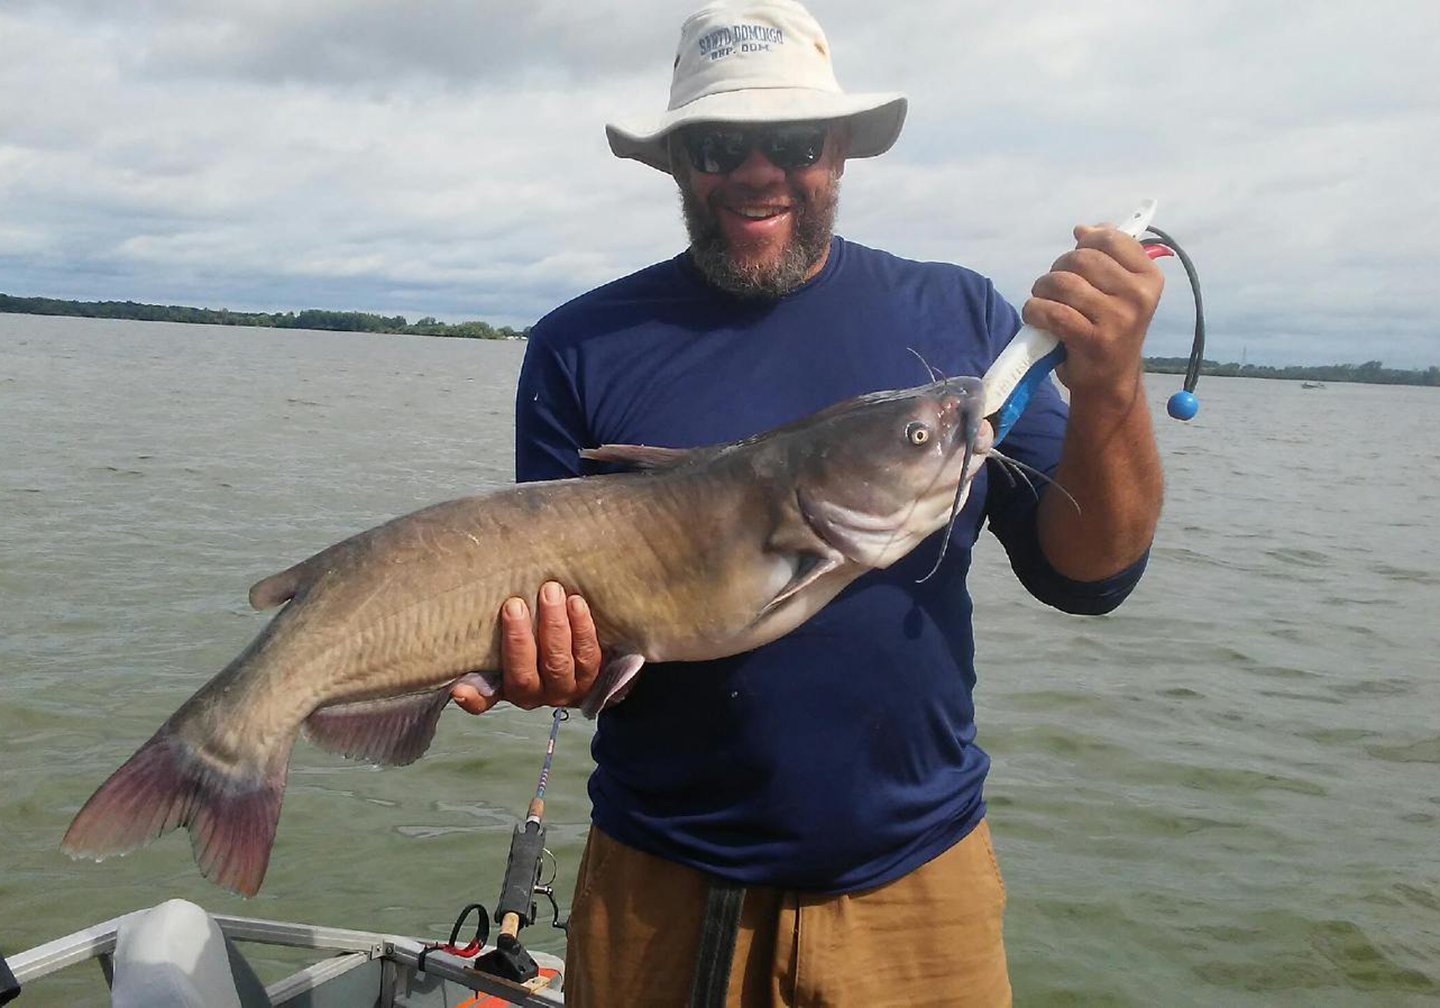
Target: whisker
{"type": "Point", "coordinates": [1005, 471]}
{"type": "Point", "coordinates": [1012, 468]}
{"type": "Point", "coordinates": [1021, 469]}
{"type": "Point", "coordinates": [949, 528]}
{"type": "Point", "coordinates": [971, 426]}
{"type": "Point", "coordinates": [935, 375]}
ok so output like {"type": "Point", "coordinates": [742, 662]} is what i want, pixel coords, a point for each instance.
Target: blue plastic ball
{"type": "Point", "coordinates": [1183, 405]}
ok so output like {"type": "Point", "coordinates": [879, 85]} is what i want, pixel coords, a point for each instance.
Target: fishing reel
{"type": "Point", "coordinates": [517, 907]}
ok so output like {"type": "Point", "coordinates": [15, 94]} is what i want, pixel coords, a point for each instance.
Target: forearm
{"type": "Point", "coordinates": [1109, 464]}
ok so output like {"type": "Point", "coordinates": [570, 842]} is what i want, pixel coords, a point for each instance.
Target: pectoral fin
{"type": "Point", "coordinates": [810, 566]}
{"type": "Point", "coordinates": [613, 682]}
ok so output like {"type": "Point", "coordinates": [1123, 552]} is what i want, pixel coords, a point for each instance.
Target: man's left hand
{"type": "Point", "coordinates": [1098, 299]}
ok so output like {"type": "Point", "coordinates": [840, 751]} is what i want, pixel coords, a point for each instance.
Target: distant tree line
{"type": "Point", "coordinates": [310, 318]}
{"type": "Point", "coordinates": [1371, 372]}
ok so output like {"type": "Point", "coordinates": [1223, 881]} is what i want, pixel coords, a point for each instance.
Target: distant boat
{"type": "Point", "coordinates": [1312, 384]}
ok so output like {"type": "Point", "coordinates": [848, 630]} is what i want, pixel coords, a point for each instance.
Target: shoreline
{"type": "Point", "coordinates": [1369, 373]}
{"type": "Point", "coordinates": [310, 318]}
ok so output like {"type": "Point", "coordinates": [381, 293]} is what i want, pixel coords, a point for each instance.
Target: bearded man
{"type": "Point", "coordinates": [826, 789]}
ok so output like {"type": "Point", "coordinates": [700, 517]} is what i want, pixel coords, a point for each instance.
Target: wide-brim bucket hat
{"type": "Point", "coordinates": [763, 61]}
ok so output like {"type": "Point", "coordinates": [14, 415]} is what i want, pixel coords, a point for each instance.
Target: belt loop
{"type": "Point", "coordinates": [718, 931]}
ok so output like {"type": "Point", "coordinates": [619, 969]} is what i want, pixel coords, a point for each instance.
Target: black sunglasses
{"type": "Point", "coordinates": [716, 149]}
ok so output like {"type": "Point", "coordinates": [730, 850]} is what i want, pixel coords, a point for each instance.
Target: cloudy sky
{"type": "Point", "coordinates": [447, 157]}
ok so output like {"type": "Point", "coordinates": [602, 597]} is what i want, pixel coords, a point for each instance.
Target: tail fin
{"type": "Point", "coordinates": [231, 812]}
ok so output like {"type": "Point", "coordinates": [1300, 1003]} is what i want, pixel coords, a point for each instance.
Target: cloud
{"type": "Point", "coordinates": [447, 157]}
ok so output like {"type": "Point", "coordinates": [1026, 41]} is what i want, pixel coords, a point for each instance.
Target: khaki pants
{"type": "Point", "coordinates": [932, 937]}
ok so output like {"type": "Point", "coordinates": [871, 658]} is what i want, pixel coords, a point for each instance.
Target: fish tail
{"type": "Point", "coordinates": [231, 811]}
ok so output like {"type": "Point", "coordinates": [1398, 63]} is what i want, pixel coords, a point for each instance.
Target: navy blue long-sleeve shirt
{"type": "Point", "coordinates": [842, 755]}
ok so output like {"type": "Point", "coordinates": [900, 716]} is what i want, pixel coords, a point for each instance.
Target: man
{"type": "Point", "coordinates": [834, 773]}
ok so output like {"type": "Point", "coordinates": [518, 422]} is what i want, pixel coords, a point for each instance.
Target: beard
{"type": "Point", "coordinates": [814, 223]}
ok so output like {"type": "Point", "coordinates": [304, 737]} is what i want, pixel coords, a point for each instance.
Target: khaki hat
{"type": "Point", "coordinates": [761, 61]}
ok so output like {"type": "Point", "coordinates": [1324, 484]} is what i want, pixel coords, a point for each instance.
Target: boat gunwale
{"type": "Point", "coordinates": [354, 948]}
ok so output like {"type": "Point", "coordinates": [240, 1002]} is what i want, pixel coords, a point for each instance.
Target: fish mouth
{"type": "Point", "coordinates": [969, 406]}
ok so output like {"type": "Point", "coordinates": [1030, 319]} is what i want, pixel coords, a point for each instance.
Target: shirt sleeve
{"type": "Point", "coordinates": [550, 426]}
{"type": "Point", "coordinates": [1012, 504]}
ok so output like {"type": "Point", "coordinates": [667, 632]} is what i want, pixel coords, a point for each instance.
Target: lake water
{"type": "Point", "coordinates": [1226, 793]}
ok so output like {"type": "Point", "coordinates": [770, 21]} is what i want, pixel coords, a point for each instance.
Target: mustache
{"type": "Point", "coordinates": [713, 255]}
{"type": "Point", "coordinates": [791, 196]}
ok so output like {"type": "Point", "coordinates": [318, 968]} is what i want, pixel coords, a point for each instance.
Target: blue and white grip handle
{"type": "Point", "coordinates": [1033, 353]}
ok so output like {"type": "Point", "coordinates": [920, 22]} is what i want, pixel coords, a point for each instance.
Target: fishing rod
{"type": "Point", "coordinates": [516, 908]}
{"type": "Point", "coordinates": [1033, 353]}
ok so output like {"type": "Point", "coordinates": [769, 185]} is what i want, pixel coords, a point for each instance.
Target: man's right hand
{"type": "Point", "coordinates": [551, 662]}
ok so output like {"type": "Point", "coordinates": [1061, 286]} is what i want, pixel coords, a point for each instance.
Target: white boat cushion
{"type": "Point", "coordinates": [172, 956]}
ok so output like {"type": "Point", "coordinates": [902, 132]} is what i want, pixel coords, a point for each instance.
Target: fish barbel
{"type": "Point", "coordinates": [701, 554]}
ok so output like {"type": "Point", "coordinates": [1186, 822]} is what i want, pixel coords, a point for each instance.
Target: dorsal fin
{"type": "Point", "coordinates": [271, 591]}
{"type": "Point", "coordinates": [639, 456]}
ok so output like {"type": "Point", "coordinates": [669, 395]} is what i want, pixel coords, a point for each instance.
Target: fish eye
{"type": "Point", "coordinates": [917, 433]}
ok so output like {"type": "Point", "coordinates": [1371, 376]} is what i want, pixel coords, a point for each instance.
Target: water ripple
{"type": "Point", "coordinates": [1223, 794]}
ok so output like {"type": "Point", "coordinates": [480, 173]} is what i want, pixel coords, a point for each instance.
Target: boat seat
{"type": "Point", "coordinates": [175, 956]}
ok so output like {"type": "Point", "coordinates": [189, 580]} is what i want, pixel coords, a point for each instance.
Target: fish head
{"type": "Point", "coordinates": [880, 473]}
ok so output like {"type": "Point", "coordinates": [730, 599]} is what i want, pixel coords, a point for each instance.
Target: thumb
{"type": "Point", "coordinates": [475, 693]}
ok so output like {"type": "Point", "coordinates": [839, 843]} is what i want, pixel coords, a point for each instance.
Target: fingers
{"type": "Point", "coordinates": [1092, 268]}
{"type": "Point", "coordinates": [518, 655]}
{"type": "Point", "coordinates": [1058, 318]}
{"type": "Point", "coordinates": [1098, 298]}
{"type": "Point", "coordinates": [552, 632]}
{"type": "Point", "coordinates": [1106, 269]}
{"type": "Point", "coordinates": [586, 647]}
{"type": "Point", "coordinates": [469, 698]}
{"type": "Point", "coordinates": [1118, 245]}
{"type": "Point", "coordinates": [552, 661]}
{"type": "Point", "coordinates": [1106, 266]}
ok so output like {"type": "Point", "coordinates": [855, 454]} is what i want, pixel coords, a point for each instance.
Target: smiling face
{"type": "Point", "coordinates": [760, 230]}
